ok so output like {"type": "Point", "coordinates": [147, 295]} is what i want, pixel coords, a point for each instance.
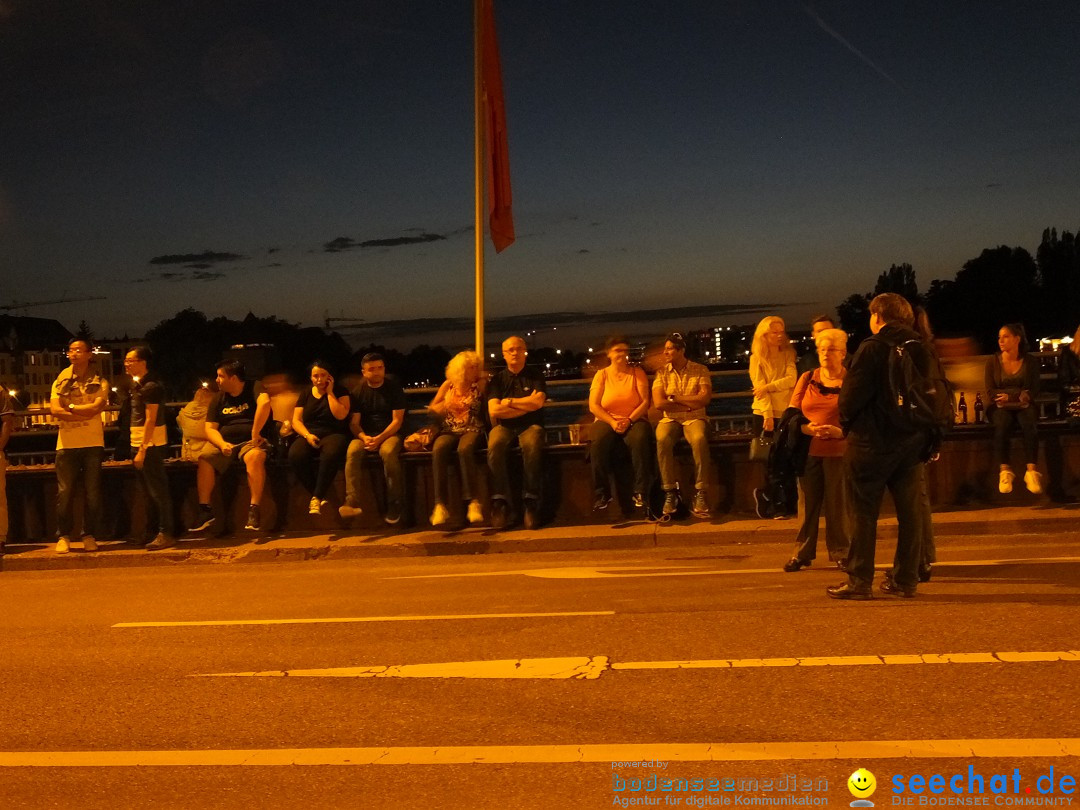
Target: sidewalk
{"type": "Point", "coordinates": [250, 547]}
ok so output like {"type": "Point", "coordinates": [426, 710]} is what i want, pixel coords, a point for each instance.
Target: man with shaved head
{"type": "Point", "coordinates": [516, 396]}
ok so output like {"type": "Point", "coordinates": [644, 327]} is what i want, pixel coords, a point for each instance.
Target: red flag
{"type": "Point", "coordinates": [500, 215]}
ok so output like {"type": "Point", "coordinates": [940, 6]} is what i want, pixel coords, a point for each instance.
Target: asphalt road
{"type": "Point", "coordinates": [672, 649]}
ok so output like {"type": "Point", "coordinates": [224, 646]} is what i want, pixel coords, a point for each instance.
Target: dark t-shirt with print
{"type": "Point", "coordinates": [505, 385]}
{"type": "Point", "coordinates": [376, 406]}
{"type": "Point", "coordinates": [235, 416]}
{"type": "Point", "coordinates": [317, 416]}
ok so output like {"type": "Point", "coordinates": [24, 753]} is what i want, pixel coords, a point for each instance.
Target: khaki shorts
{"type": "Point", "coordinates": [221, 462]}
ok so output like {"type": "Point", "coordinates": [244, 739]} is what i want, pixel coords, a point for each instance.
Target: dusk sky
{"type": "Point", "coordinates": [662, 153]}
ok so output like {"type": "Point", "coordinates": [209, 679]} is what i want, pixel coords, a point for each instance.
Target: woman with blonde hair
{"type": "Point", "coordinates": [817, 395]}
{"type": "Point", "coordinates": [772, 375]}
{"type": "Point", "coordinates": [1069, 379]}
{"type": "Point", "coordinates": [459, 404]}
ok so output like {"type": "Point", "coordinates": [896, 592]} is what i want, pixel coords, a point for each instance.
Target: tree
{"type": "Point", "coordinates": [854, 311]}
{"type": "Point", "coordinates": [1058, 258]}
{"type": "Point", "coordinates": [85, 332]}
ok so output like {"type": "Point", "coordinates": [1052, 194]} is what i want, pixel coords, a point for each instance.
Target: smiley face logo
{"type": "Point", "coordinates": [862, 784]}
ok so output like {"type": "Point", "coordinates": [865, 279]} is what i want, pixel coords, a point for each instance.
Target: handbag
{"type": "Point", "coordinates": [760, 447]}
{"type": "Point", "coordinates": [421, 439]}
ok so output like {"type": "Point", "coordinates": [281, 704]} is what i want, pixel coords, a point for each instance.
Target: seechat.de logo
{"type": "Point", "coordinates": [862, 785]}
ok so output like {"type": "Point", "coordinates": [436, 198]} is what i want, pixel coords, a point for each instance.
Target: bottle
{"type": "Point", "coordinates": [978, 408]}
{"type": "Point", "coordinates": [962, 409]}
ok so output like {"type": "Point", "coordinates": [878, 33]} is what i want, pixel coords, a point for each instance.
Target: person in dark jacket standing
{"type": "Point", "coordinates": [882, 452]}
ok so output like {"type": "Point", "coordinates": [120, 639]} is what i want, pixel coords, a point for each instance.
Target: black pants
{"type": "Point", "coordinates": [1002, 420]}
{"type": "Point", "coordinates": [329, 457]}
{"type": "Point", "coordinates": [869, 473]}
{"type": "Point", "coordinates": [159, 507]}
{"type": "Point", "coordinates": [639, 440]}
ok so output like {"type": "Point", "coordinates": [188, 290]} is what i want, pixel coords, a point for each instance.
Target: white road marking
{"type": "Point", "coordinates": [591, 668]}
{"type": "Point", "coordinates": [346, 620]}
{"type": "Point", "coordinates": [644, 570]}
{"type": "Point", "coordinates": [858, 751]}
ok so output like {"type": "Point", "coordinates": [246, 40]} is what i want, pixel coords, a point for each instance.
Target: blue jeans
{"type": "Point", "coordinates": [71, 464]}
{"type": "Point", "coordinates": [531, 440]}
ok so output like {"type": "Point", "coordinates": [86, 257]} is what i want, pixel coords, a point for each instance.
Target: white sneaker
{"type": "Point", "coordinates": [1005, 482]}
{"type": "Point", "coordinates": [314, 507]}
{"type": "Point", "coordinates": [348, 511]}
{"type": "Point", "coordinates": [90, 544]}
{"type": "Point", "coordinates": [439, 515]}
{"type": "Point", "coordinates": [63, 545]}
{"type": "Point", "coordinates": [1033, 482]}
{"type": "Point", "coordinates": [475, 513]}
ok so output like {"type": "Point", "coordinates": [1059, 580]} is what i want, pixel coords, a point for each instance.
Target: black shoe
{"type": "Point", "coordinates": [848, 591]}
{"type": "Point", "coordinates": [205, 519]}
{"type": "Point", "coordinates": [842, 565]}
{"type": "Point", "coordinates": [638, 500]}
{"type": "Point", "coordinates": [794, 564]}
{"type": "Point", "coordinates": [925, 570]}
{"type": "Point", "coordinates": [601, 502]}
{"type": "Point", "coordinates": [671, 502]}
{"type": "Point", "coordinates": [889, 587]}
{"type": "Point", "coordinates": [762, 504]}
{"type": "Point", "coordinates": [500, 512]}
{"type": "Point", "coordinates": [254, 520]}
{"type": "Point", "coordinates": [532, 514]}
{"type": "Point", "coordinates": [393, 514]}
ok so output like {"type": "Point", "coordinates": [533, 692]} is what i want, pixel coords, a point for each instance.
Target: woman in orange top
{"type": "Point", "coordinates": [817, 395]}
{"type": "Point", "coordinates": [619, 399]}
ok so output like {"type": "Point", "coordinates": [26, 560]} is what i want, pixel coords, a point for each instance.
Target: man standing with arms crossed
{"type": "Point", "coordinates": [77, 400]}
{"type": "Point", "coordinates": [516, 397]}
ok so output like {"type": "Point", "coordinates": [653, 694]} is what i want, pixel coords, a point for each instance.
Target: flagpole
{"type": "Point", "coordinates": [478, 177]}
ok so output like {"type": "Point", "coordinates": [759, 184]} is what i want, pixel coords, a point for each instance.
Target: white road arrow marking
{"type": "Point", "coordinates": [591, 668]}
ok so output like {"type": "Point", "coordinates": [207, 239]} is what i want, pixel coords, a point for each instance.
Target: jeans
{"type": "Point", "coordinates": [697, 435]}
{"type": "Point", "coordinates": [390, 453]}
{"type": "Point", "coordinates": [71, 464]}
{"type": "Point", "coordinates": [316, 467]}
{"type": "Point", "coordinates": [531, 440]}
{"type": "Point", "coordinates": [605, 442]}
{"type": "Point", "coordinates": [442, 455]}
{"type": "Point", "coordinates": [159, 507]}
{"type": "Point", "coordinates": [822, 485]}
{"type": "Point", "coordinates": [869, 472]}
{"type": "Point", "coordinates": [1002, 420]}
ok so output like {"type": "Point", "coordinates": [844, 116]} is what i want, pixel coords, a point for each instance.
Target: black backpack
{"type": "Point", "coordinates": [919, 389]}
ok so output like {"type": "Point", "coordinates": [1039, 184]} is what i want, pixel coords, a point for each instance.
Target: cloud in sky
{"type": "Point", "coordinates": [199, 260]}
{"type": "Point", "coordinates": [348, 243]}
{"type": "Point", "coordinates": [843, 41]}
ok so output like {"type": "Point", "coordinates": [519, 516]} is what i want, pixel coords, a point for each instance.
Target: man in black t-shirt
{"type": "Point", "coordinates": [234, 423]}
{"type": "Point", "coordinates": [150, 446]}
{"type": "Point", "coordinates": [378, 405]}
{"type": "Point", "coordinates": [516, 397]}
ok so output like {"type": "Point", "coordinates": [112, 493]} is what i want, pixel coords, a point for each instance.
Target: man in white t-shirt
{"type": "Point", "coordinates": [78, 398]}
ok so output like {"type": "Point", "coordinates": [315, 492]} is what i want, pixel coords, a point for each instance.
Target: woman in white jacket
{"type": "Point", "coordinates": [773, 377]}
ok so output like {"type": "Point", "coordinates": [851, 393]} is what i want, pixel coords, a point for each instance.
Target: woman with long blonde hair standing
{"type": "Point", "coordinates": [773, 377]}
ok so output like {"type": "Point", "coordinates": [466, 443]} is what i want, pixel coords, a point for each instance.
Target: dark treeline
{"type": "Point", "coordinates": [1001, 285]}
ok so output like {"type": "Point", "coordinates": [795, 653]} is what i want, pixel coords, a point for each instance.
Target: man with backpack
{"type": "Point", "coordinates": [888, 413]}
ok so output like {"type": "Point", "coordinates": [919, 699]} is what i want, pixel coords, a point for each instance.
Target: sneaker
{"type": "Point", "coordinates": [205, 519]}
{"type": "Point", "coordinates": [253, 521]}
{"type": "Point", "coordinates": [160, 542]}
{"type": "Point", "coordinates": [314, 507]}
{"type": "Point", "coordinates": [700, 508]}
{"type": "Point", "coordinates": [1033, 482]}
{"type": "Point", "coordinates": [63, 545]}
{"type": "Point", "coordinates": [89, 543]}
{"type": "Point", "coordinates": [347, 510]}
{"type": "Point", "coordinates": [393, 513]}
{"type": "Point", "coordinates": [601, 502]}
{"type": "Point", "coordinates": [638, 500]}
{"type": "Point", "coordinates": [439, 515]}
{"type": "Point", "coordinates": [499, 513]}
{"type": "Point", "coordinates": [474, 513]}
{"type": "Point", "coordinates": [1005, 482]}
{"type": "Point", "coordinates": [671, 502]}
{"type": "Point", "coordinates": [762, 504]}
{"type": "Point", "coordinates": [532, 514]}
{"type": "Point", "coordinates": [846, 590]}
